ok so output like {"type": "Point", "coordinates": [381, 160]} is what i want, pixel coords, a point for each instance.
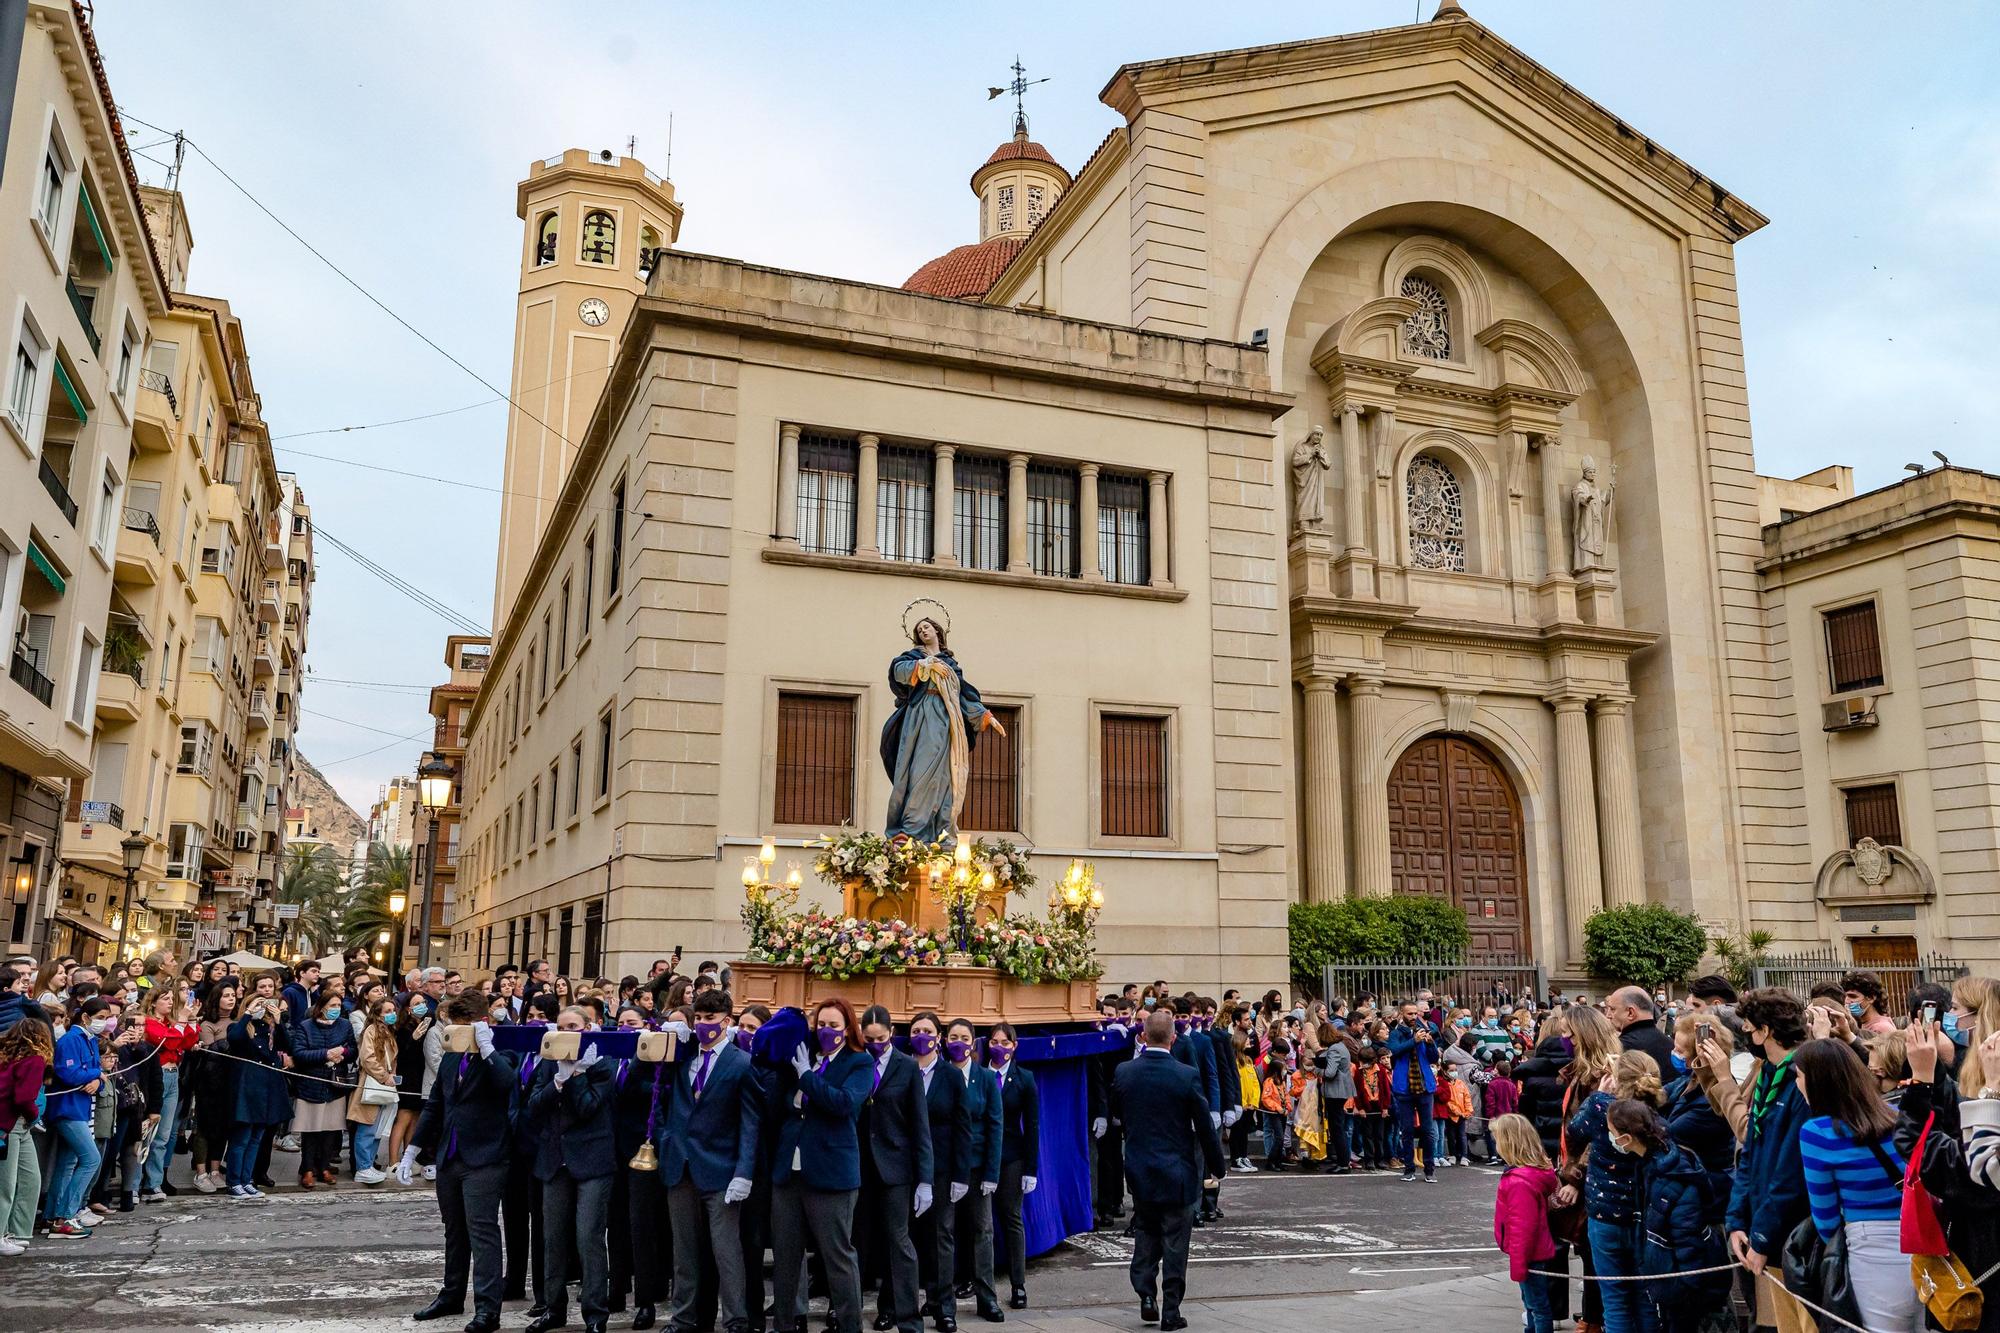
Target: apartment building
{"type": "Point", "coordinates": [82, 294]}
{"type": "Point", "coordinates": [392, 819]}
{"type": "Point", "coordinates": [284, 665]}
{"type": "Point", "coordinates": [465, 658]}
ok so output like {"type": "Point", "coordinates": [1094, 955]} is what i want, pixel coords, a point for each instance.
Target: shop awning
{"type": "Point", "coordinates": [48, 571]}
{"type": "Point", "coordinates": [88, 926]}
{"type": "Point", "coordinates": [69, 392]}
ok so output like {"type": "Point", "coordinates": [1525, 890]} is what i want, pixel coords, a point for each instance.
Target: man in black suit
{"type": "Point", "coordinates": [1170, 1148]}
{"type": "Point", "coordinates": [1228, 1085]}
{"type": "Point", "coordinates": [569, 1112]}
{"type": "Point", "coordinates": [464, 1127]}
{"type": "Point", "coordinates": [897, 1172]}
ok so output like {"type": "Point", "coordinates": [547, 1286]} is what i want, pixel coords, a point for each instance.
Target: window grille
{"type": "Point", "coordinates": [1427, 332]}
{"type": "Point", "coordinates": [903, 503]}
{"type": "Point", "coordinates": [1854, 648]}
{"type": "Point", "coordinates": [1133, 787]}
{"type": "Point", "coordinates": [1006, 208]}
{"type": "Point", "coordinates": [826, 494]}
{"type": "Point", "coordinates": [1124, 546]}
{"type": "Point", "coordinates": [979, 512]}
{"type": "Point", "coordinates": [1052, 528]}
{"type": "Point", "coordinates": [815, 768]}
{"type": "Point", "coordinates": [1436, 504]}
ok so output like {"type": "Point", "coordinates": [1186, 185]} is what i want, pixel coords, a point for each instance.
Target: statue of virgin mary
{"type": "Point", "coordinates": [927, 741]}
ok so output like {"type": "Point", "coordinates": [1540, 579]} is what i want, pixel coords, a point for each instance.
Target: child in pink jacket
{"type": "Point", "coordinates": [1521, 1216]}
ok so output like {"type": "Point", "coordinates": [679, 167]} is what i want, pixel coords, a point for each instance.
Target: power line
{"type": "Point", "coordinates": [377, 425]}
{"type": "Point", "coordinates": [413, 736]}
{"type": "Point", "coordinates": [399, 583]}
{"type": "Point", "coordinates": [350, 722]}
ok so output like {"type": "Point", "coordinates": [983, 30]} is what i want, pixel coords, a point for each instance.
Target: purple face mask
{"type": "Point", "coordinates": [707, 1032]}
{"type": "Point", "coordinates": [923, 1043]}
{"type": "Point", "coordinates": [999, 1055]}
{"type": "Point", "coordinates": [830, 1039]}
{"type": "Point", "coordinates": [878, 1049]}
{"type": "Point", "coordinates": [743, 1040]}
{"type": "Point", "coordinates": [957, 1050]}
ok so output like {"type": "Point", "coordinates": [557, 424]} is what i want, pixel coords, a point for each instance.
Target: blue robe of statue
{"type": "Point", "coordinates": [933, 717]}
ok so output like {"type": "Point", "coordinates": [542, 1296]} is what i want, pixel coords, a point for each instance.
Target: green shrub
{"type": "Point", "coordinates": [1646, 944]}
{"type": "Point", "coordinates": [1373, 930]}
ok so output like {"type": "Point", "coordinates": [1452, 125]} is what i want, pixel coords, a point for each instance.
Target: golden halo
{"type": "Point", "coordinates": [942, 616]}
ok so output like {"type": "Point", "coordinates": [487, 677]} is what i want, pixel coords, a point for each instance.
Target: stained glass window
{"type": "Point", "coordinates": [1427, 332]}
{"type": "Point", "coordinates": [1436, 505]}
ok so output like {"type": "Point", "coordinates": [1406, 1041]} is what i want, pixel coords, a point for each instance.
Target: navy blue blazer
{"type": "Point", "coordinates": [1226, 1083]}
{"type": "Point", "coordinates": [1194, 1050]}
{"type": "Point", "coordinates": [713, 1137]}
{"type": "Point", "coordinates": [1170, 1142]}
{"type": "Point", "coordinates": [572, 1124]}
{"type": "Point", "coordinates": [641, 1092]}
{"type": "Point", "coordinates": [897, 1124]}
{"type": "Point", "coordinates": [952, 1160]}
{"type": "Point", "coordinates": [1021, 1120]}
{"type": "Point", "coordinates": [820, 1137]}
{"type": "Point", "coordinates": [983, 1120]}
{"type": "Point", "coordinates": [465, 1119]}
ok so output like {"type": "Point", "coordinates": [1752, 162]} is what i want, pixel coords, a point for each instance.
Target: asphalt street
{"type": "Point", "coordinates": [1308, 1252]}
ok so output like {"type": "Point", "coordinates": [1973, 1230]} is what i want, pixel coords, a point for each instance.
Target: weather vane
{"type": "Point", "coordinates": [1018, 86]}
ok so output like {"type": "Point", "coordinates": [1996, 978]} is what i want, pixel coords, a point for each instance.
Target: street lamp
{"type": "Point", "coordinates": [434, 780]}
{"type": "Point", "coordinates": [397, 902]}
{"type": "Point", "coordinates": [134, 850]}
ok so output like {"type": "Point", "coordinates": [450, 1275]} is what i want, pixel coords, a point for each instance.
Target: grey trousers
{"type": "Point", "coordinates": [934, 1234]}
{"type": "Point", "coordinates": [890, 1228]}
{"type": "Point", "coordinates": [1007, 1218]}
{"type": "Point", "coordinates": [576, 1213]}
{"type": "Point", "coordinates": [705, 1226]}
{"type": "Point", "coordinates": [469, 1202]}
{"type": "Point", "coordinates": [974, 1231]}
{"type": "Point", "coordinates": [1160, 1252]}
{"type": "Point", "coordinates": [827, 1217]}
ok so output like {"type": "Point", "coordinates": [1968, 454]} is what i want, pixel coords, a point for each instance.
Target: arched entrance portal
{"type": "Point", "coordinates": [1455, 833]}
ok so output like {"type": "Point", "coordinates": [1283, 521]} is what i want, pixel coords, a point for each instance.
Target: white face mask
{"type": "Point", "coordinates": [1620, 1145]}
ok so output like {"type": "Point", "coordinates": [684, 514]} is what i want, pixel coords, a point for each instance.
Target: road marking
{"type": "Point", "coordinates": [1391, 1272]}
{"type": "Point", "coordinates": [1320, 1254]}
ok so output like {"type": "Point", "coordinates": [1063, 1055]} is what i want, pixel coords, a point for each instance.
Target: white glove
{"type": "Point", "coordinates": [801, 1061]}
{"type": "Point", "coordinates": [589, 1058]}
{"type": "Point", "coordinates": [1215, 1119]}
{"type": "Point", "coordinates": [738, 1191]}
{"type": "Point", "coordinates": [1118, 1029]}
{"type": "Point", "coordinates": [679, 1029]}
{"type": "Point", "coordinates": [1231, 1116]}
{"type": "Point", "coordinates": [959, 1190]}
{"type": "Point", "coordinates": [482, 1037]}
{"type": "Point", "coordinates": [1027, 1184]}
{"type": "Point", "coordinates": [921, 1199]}
{"type": "Point", "coordinates": [988, 1186]}
{"type": "Point", "coordinates": [564, 1069]}
{"type": "Point", "coordinates": [1098, 1126]}
{"type": "Point", "coordinates": [404, 1167]}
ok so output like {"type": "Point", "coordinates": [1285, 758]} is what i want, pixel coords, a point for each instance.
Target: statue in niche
{"type": "Point", "coordinates": [1590, 507]}
{"type": "Point", "coordinates": [1309, 469]}
{"type": "Point", "coordinates": [927, 741]}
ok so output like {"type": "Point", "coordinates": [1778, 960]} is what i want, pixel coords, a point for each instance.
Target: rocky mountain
{"type": "Point", "coordinates": [333, 817]}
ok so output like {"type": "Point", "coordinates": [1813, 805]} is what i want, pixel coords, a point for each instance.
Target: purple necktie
{"type": "Point", "coordinates": [701, 1071]}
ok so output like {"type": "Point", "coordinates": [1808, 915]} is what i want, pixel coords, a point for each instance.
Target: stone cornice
{"type": "Point", "coordinates": [1162, 82]}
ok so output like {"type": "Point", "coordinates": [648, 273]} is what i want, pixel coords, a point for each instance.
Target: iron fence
{"type": "Point", "coordinates": [1800, 972]}
{"type": "Point", "coordinates": [1464, 977]}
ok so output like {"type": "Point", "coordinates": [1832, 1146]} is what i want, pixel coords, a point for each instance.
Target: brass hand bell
{"type": "Point", "coordinates": [645, 1159]}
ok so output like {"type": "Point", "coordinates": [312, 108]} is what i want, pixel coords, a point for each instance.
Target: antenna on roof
{"type": "Point", "coordinates": [631, 145]}
{"type": "Point", "coordinates": [1017, 86]}
{"type": "Point", "coordinates": [669, 172]}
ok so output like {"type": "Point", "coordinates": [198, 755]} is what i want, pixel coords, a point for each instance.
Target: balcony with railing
{"type": "Point", "coordinates": [157, 381]}
{"type": "Point", "coordinates": [52, 482]}
{"type": "Point", "coordinates": [141, 557]}
{"type": "Point", "coordinates": [264, 661]}
{"type": "Point", "coordinates": [260, 707]}
{"type": "Point", "coordinates": [448, 737]}
{"type": "Point", "coordinates": [269, 596]}
{"type": "Point", "coordinates": [25, 672]}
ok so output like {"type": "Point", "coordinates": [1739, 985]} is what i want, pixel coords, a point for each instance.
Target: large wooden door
{"type": "Point", "coordinates": [1455, 833]}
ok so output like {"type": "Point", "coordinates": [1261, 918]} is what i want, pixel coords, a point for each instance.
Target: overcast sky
{"type": "Point", "coordinates": [837, 138]}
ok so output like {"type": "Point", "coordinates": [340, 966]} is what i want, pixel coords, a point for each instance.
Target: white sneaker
{"type": "Point", "coordinates": [206, 1183]}
{"type": "Point", "coordinates": [10, 1249]}
{"type": "Point", "coordinates": [86, 1219]}
{"type": "Point", "coordinates": [1247, 1167]}
{"type": "Point", "coordinates": [248, 1192]}
{"type": "Point", "coordinates": [430, 1173]}
{"type": "Point", "coordinates": [154, 1196]}
{"type": "Point", "coordinates": [21, 1241]}
{"type": "Point", "coordinates": [236, 1192]}
{"type": "Point", "coordinates": [288, 1143]}
{"type": "Point", "coordinates": [370, 1176]}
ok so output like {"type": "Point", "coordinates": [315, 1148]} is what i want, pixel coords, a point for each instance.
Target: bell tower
{"type": "Point", "coordinates": [593, 226]}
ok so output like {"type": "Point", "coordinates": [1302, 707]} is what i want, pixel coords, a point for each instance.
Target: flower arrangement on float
{"type": "Point", "coordinates": [885, 865]}
{"type": "Point", "coordinates": [843, 947]}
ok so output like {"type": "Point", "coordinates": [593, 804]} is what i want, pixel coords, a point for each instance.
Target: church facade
{"type": "Point", "coordinates": [1341, 484]}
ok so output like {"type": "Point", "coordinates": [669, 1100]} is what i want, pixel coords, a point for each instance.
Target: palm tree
{"type": "Point", "coordinates": [312, 881]}
{"type": "Point", "coordinates": [386, 872]}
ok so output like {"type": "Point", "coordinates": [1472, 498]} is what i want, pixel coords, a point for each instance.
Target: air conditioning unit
{"type": "Point", "coordinates": [1849, 714]}
{"type": "Point", "coordinates": [245, 839]}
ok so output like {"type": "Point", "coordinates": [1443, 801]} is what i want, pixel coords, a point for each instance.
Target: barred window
{"type": "Point", "coordinates": [993, 793]}
{"type": "Point", "coordinates": [979, 512]}
{"type": "Point", "coordinates": [1854, 648]}
{"type": "Point", "coordinates": [1034, 204]}
{"type": "Point", "coordinates": [903, 503]}
{"type": "Point", "coordinates": [1872, 813]}
{"type": "Point", "coordinates": [1123, 543]}
{"type": "Point", "coordinates": [1052, 534]}
{"type": "Point", "coordinates": [815, 769]}
{"type": "Point", "coordinates": [1133, 776]}
{"type": "Point", "coordinates": [1436, 504]}
{"type": "Point", "coordinates": [826, 494]}
{"type": "Point", "coordinates": [1427, 332]}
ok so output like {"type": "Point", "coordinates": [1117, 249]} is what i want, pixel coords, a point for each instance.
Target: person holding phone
{"type": "Point", "coordinates": [1413, 1082]}
{"type": "Point", "coordinates": [171, 1032]}
{"type": "Point", "coordinates": [262, 1102]}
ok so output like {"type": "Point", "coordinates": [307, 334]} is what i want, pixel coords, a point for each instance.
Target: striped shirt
{"type": "Point", "coordinates": [1845, 1182]}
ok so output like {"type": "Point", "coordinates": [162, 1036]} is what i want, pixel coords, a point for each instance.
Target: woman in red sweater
{"type": "Point", "coordinates": [25, 1052]}
{"type": "Point", "coordinates": [170, 1027]}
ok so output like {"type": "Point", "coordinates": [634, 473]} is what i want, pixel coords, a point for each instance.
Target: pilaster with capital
{"type": "Point", "coordinates": [1371, 789]}
{"type": "Point", "coordinates": [1618, 802]}
{"type": "Point", "coordinates": [1325, 877]}
{"type": "Point", "coordinates": [1583, 883]}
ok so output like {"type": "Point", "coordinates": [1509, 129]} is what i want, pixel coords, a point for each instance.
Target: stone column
{"type": "Point", "coordinates": [1583, 886]}
{"type": "Point", "coordinates": [867, 501]}
{"type": "Point", "coordinates": [1017, 515]}
{"type": "Point", "coordinates": [1157, 526]}
{"type": "Point", "coordinates": [1354, 481]}
{"type": "Point", "coordinates": [1554, 531]}
{"type": "Point", "coordinates": [788, 483]}
{"type": "Point", "coordinates": [1618, 802]}
{"type": "Point", "coordinates": [1086, 524]}
{"type": "Point", "coordinates": [1371, 789]}
{"type": "Point", "coordinates": [1325, 869]}
{"type": "Point", "coordinates": [944, 533]}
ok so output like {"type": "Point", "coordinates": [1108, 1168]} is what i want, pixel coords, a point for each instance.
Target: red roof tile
{"type": "Point", "coordinates": [966, 271]}
{"type": "Point", "coordinates": [1027, 148]}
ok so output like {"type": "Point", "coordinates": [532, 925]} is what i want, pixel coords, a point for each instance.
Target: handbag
{"type": "Point", "coordinates": [1944, 1284]}
{"type": "Point", "coordinates": [374, 1092]}
{"type": "Point", "coordinates": [1815, 1271]}
{"type": "Point", "coordinates": [1567, 1222]}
